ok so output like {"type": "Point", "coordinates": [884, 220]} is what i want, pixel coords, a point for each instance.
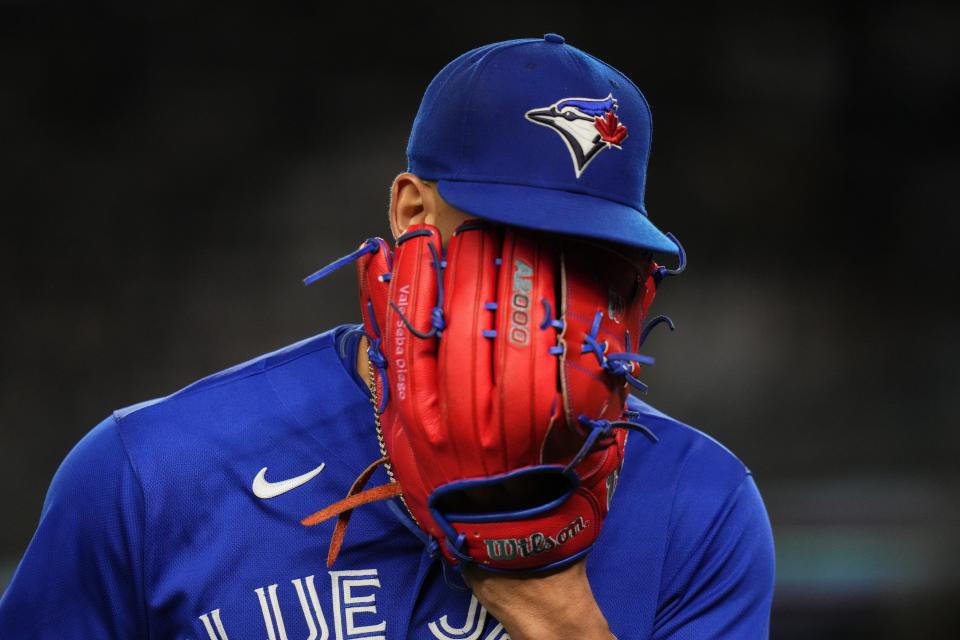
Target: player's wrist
{"type": "Point", "coordinates": [553, 605]}
{"type": "Point", "coordinates": [569, 620]}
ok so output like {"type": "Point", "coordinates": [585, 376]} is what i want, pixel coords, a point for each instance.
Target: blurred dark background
{"type": "Point", "coordinates": [169, 174]}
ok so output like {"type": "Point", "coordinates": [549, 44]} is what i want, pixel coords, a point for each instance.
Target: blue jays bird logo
{"type": "Point", "coordinates": [587, 126]}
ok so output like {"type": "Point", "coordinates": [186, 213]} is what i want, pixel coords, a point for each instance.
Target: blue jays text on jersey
{"type": "Point", "coordinates": [179, 518]}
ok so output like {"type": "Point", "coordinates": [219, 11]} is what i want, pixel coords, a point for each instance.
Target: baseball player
{"type": "Point", "coordinates": [487, 386]}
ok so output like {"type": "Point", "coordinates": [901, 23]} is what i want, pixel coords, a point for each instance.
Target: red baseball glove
{"type": "Point", "coordinates": [504, 367]}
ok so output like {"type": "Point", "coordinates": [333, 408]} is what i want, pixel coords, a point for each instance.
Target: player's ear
{"type": "Point", "coordinates": [409, 202]}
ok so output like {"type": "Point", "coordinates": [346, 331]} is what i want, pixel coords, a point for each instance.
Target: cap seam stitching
{"type": "Point", "coordinates": [646, 104]}
{"type": "Point", "coordinates": [478, 71]}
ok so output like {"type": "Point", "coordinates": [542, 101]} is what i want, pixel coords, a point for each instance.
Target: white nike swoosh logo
{"type": "Point", "coordinates": [263, 488]}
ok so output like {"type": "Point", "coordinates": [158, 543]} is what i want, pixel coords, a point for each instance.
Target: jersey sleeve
{"type": "Point", "coordinates": [719, 581]}
{"type": "Point", "coordinates": [81, 575]}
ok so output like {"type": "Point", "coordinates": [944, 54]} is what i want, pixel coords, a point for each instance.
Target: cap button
{"type": "Point", "coordinates": [555, 38]}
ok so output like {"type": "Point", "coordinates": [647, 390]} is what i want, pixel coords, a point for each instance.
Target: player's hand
{"type": "Point", "coordinates": [558, 604]}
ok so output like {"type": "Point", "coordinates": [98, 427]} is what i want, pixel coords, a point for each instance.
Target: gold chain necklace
{"type": "Point", "coordinates": [374, 403]}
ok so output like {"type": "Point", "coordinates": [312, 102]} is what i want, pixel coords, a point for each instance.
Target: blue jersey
{"type": "Point", "coordinates": [162, 523]}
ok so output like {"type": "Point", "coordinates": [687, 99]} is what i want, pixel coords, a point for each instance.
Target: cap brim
{"type": "Point", "coordinates": [556, 211]}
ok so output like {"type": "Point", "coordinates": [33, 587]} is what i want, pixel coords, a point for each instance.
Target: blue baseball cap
{"type": "Point", "coordinates": [538, 134]}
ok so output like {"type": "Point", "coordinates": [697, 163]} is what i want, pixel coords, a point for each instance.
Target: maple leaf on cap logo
{"type": "Point", "coordinates": [577, 121]}
{"type": "Point", "coordinates": [611, 131]}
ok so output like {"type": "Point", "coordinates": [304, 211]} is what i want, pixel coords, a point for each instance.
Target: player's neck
{"type": "Point", "coordinates": [363, 367]}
